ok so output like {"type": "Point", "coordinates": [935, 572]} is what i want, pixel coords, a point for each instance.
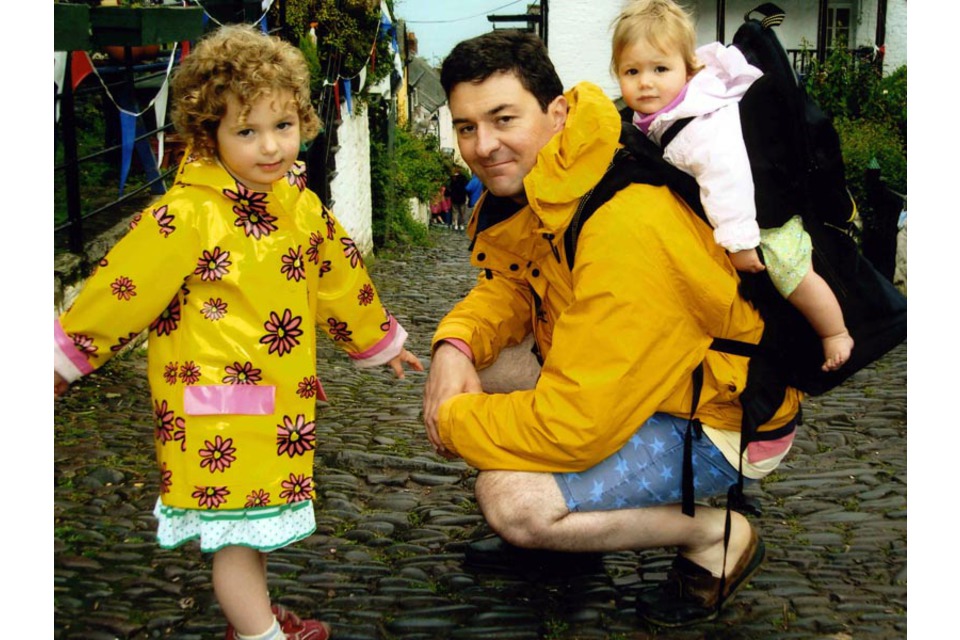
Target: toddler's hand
{"type": "Point", "coordinates": [405, 358]}
{"type": "Point", "coordinates": [747, 260]}
{"type": "Point", "coordinates": [59, 385]}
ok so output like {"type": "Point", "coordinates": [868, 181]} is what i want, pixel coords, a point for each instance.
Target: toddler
{"type": "Point", "coordinates": [663, 79]}
{"type": "Point", "coordinates": [231, 272]}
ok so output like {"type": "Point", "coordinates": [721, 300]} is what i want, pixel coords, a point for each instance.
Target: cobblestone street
{"type": "Point", "coordinates": [389, 558]}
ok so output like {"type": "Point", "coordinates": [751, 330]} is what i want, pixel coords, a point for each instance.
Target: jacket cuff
{"type": "Point", "coordinates": [70, 363]}
{"type": "Point", "coordinates": [388, 348]}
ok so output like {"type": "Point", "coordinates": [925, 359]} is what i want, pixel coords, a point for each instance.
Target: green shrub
{"type": "Point", "coordinates": [416, 170]}
{"type": "Point", "coordinates": [864, 142]}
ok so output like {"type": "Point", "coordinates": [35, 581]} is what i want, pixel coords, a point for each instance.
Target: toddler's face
{"type": "Point", "coordinates": [649, 78]}
{"type": "Point", "coordinates": [260, 148]}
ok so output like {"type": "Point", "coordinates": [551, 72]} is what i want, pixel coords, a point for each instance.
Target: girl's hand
{"type": "Point", "coordinates": [59, 385]}
{"type": "Point", "coordinates": [404, 358]}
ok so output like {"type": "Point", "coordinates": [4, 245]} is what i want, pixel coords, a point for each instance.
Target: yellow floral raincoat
{"type": "Point", "coordinates": [619, 336]}
{"type": "Point", "coordinates": [231, 285]}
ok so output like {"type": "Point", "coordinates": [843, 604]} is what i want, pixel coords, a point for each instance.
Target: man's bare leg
{"type": "Point", "coordinates": [528, 510]}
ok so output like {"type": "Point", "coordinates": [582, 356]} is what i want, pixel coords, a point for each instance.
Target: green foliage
{"type": "Point", "coordinates": [866, 140]}
{"type": "Point", "coordinates": [870, 114]}
{"type": "Point", "coordinates": [416, 170]}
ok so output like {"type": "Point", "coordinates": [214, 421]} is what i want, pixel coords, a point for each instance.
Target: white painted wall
{"type": "Point", "coordinates": [896, 45]}
{"type": "Point", "coordinates": [578, 36]}
{"type": "Point", "coordinates": [350, 189]}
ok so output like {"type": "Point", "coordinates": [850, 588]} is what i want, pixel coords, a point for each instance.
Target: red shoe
{"type": "Point", "coordinates": [292, 626]}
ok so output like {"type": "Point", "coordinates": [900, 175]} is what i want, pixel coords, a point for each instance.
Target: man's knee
{"type": "Point", "coordinates": [521, 507]}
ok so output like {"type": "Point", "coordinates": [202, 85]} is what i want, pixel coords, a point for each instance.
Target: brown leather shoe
{"type": "Point", "coordinates": [691, 594]}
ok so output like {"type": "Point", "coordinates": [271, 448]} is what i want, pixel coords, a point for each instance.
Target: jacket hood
{"type": "Point", "coordinates": [575, 158]}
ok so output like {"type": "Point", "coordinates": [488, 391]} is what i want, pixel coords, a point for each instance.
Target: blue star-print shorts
{"type": "Point", "coordinates": [646, 471]}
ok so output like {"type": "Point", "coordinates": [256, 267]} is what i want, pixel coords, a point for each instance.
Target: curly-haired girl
{"type": "Point", "coordinates": [231, 272]}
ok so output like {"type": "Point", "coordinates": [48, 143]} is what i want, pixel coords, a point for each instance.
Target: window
{"type": "Point", "coordinates": [838, 25]}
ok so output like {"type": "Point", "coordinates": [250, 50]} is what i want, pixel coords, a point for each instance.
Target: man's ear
{"type": "Point", "coordinates": [557, 111]}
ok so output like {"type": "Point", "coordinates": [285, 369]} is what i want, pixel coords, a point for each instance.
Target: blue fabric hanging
{"type": "Point", "coordinates": [347, 87]}
{"type": "Point", "coordinates": [128, 132]}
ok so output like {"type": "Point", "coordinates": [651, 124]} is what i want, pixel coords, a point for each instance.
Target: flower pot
{"type": "Point", "coordinates": [133, 26]}
{"type": "Point", "coordinates": [71, 27]}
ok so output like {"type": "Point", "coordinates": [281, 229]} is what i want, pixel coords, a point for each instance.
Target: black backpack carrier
{"type": "Point", "coordinates": [797, 168]}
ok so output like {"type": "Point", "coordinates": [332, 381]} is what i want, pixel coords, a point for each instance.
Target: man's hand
{"type": "Point", "coordinates": [59, 385]}
{"type": "Point", "coordinates": [405, 358]}
{"type": "Point", "coordinates": [747, 260]}
{"type": "Point", "coordinates": [451, 373]}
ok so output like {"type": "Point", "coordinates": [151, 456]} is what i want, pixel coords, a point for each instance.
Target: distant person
{"type": "Point", "coordinates": [664, 80]}
{"type": "Point", "coordinates": [474, 191]}
{"type": "Point", "coordinates": [233, 271]}
{"type": "Point", "coordinates": [458, 199]}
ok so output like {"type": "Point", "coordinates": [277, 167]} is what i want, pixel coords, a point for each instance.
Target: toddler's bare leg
{"type": "Point", "coordinates": [240, 584]}
{"type": "Point", "coordinates": [815, 300]}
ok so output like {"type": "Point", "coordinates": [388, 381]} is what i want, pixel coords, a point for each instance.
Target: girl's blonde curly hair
{"type": "Point", "coordinates": [244, 61]}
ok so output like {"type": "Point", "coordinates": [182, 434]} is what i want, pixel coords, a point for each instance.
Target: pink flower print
{"type": "Point", "coordinates": [366, 295]}
{"type": "Point", "coordinates": [135, 221]}
{"type": "Point", "coordinates": [241, 374]}
{"type": "Point", "coordinates": [164, 220]}
{"type": "Point", "coordinates": [122, 342]}
{"type": "Point", "coordinates": [297, 489]}
{"type": "Point", "coordinates": [295, 437]}
{"type": "Point", "coordinates": [162, 422]}
{"type": "Point", "coordinates": [214, 309]}
{"type": "Point", "coordinates": [325, 267]}
{"type": "Point", "coordinates": [213, 265]}
{"type": "Point", "coordinates": [251, 211]}
{"type": "Point", "coordinates": [180, 433]}
{"type": "Point", "coordinates": [166, 323]}
{"type": "Point", "coordinates": [210, 497]}
{"type": "Point", "coordinates": [84, 344]}
{"type": "Point", "coordinates": [170, 372]}
{"type": "Point", "coordinates": [258, 498]}
{"type": "Point", "coordinates": [293, 265]}
{"type": "Point", "coordinates": [331, 227]}
{"type": "Point", "coordinates": [339, 330]}
{"type": "Point", "coordinates": [123, 288]}
{"type": "Point", "coordinates": [313, 251]}
{"type": "Point", "coordinates": [190, 372]}
{"type": "Point", "coordinates": [282, 332]}
{"type": "Point", "coordinates": [247, 199]}
{"type": "Point", "coordinates": [218, 455]}
{"type": "Point", "coordinates": [351, 251]}
{"type": "Point", "coordinates": [297, 175]}
{"type": "Point", "coordinates": [308, 387]}
{"type": "Point", "coordinates": [166, 479]}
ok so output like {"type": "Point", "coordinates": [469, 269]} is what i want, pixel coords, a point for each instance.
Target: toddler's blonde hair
{"type": "Point", "coordinates": [244, 61]}
{"type": "Point", "coordinates": [662, 23]}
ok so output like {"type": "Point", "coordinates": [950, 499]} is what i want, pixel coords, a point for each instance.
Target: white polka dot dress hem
{"type": "Point", "coordinates": [265, 529]}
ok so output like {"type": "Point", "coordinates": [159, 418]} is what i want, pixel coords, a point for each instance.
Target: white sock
{"type": "Point", "coordinates": [273, 633]}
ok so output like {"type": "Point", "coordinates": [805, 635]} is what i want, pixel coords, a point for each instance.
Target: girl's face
{"type": "Point", "coordinates": [649, 78]}
{"type": "Point", "coordinates": [260, 148]}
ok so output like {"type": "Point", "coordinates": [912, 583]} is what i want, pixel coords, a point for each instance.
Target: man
{"type": "Point", "coordinates": [563, 464]}
{"type": "Point", "coordinates": [458, 199]}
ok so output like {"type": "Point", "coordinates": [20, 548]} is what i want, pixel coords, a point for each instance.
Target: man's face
{"type": "Point", "coordinates": [501, 129]}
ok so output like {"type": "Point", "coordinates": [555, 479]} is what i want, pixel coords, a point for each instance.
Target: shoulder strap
{"type": "Point", "coordinates": [673, 130]}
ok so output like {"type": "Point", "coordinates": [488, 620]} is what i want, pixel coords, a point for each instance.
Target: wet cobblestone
{"type": "Point", "coordinates": [388, 559]}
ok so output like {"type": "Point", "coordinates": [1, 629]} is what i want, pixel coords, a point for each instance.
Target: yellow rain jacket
{"type": "Point", "coordinates": [619, 335]}
{"type": "Point", "coordinates": [232, 286]}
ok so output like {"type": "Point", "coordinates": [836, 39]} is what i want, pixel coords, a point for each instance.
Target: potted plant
{"type": "Point", "coordinates": [71, 27]}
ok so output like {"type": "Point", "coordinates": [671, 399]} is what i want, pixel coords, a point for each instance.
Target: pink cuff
{"type": "Point", "coordinates": [460, 346]}
{"type": "Point", "coordinates": [388, 348]}
{"type": "Point", "coordinates": [68, 361]}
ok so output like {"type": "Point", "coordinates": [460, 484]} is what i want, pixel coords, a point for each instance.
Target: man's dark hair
{"type": "Point", "coordinates": [503, 50]}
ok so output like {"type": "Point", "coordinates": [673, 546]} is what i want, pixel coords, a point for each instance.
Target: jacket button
{"type": "Point", "coordinates": [514, 267]}
{"type": "Point", "coordinates": [481, 256]}
{"type": "Point", "coordinates": [535, 273]}
{"type": "Point", "coordinates": [731, 388]}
